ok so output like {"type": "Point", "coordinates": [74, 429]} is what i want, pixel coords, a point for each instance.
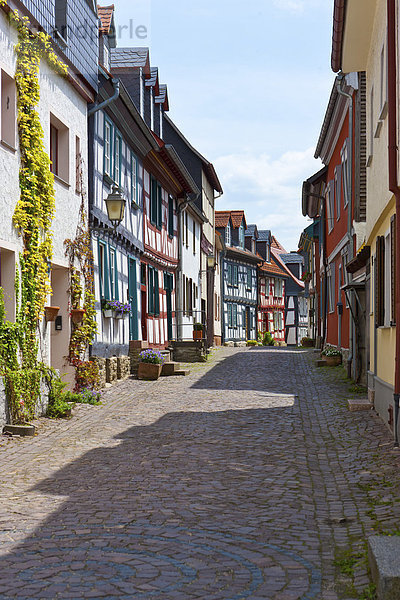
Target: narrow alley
{"type": "Point", "coordinates": [249, 478]}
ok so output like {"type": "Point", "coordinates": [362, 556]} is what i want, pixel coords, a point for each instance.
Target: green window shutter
{"type": "Point", "coordinates": [153, 202]}
{"type": "Point", "coordinates": [156, 294]}
{"type": "Point", "coordinates": [230, 274]}
{"type": "Point", "coordinates": [115, 276]}
{"type": "Point", "coordinates": [235, 315]}
{"type": "Point", "coordinates": [235, 275]}
{"type": "Point", "coordinates": [229, 315]}
{"type": "Point", "coordinates": [171, 216]}
{"type": "Point", "coordinates": [150, 290]}
{"type": "Point", "coordinates": [159, 206]}
{"type": "Point", "coordinates": [249, 278]}
{"type": "Point", "coordinates": [106, 290]}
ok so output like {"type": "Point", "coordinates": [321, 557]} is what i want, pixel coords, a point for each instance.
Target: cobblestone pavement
{"type": "Point", "coordinates": [246, 479]}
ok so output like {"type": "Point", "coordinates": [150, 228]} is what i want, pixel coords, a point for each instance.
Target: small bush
{"type": "Point", "coordinates": [251, 343]}
{"type": "Point", "coordinates": [153, 357]}
{"type": "Point", "coordinates": [268, 340]}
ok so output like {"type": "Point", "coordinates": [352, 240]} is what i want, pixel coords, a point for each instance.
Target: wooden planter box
{"type": "Point", "coordinates": [333, 361]}
{"type": "Point", "coordinates": [149, 371]}
{"type": "Point", "coordinates": [77, 315]}
{"type": "Point", "coordinates": [51, 312]}
{"type": "Point", "coordinates": [197, 335]}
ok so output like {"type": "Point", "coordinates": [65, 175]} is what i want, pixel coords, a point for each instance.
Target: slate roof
{"type": "Point", "coordinates": [251, 231]}
{"type": "Point", "coordinates": [130, 57]}
{"type": "Point", "coordinates": [152, 81]}
{"type": "Point", "coordinates": [293, 257]}
{"type": "Point", "coordinates": [162, 97]}
{"type": "Point", "coordinates": [242, 253]}
{"type": "Point", "coordinates": [264, 235]}
{"type": "Point", "coordinates": [278, 258]}
{"type": "Point", "coordinates": [105, 14]}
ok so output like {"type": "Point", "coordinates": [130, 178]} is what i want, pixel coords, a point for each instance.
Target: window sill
{"type": "Point", "coordinates": [384, 111]}
{"type": "Point", "coordinates": [108, 180]}
{"type": "Point", "coordinates": [378, 129]}
{"type": "Point", "coordinates": [61, 181]}
{"type": "Point", "coordinates": [134, 205]}
{"type": "Point", "coordinates": [8, 146]}
{"type": "Point", "coordinates": [369, 161]}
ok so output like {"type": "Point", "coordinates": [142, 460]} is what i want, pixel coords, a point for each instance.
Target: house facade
{"type": "Point", "coordinates": [238, 279]}
{"type": "Point", "coordinates": [375, 260]}
{"type": "Point", "coordinates": [62, 111]}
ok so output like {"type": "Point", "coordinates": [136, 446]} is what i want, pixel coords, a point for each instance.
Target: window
{"type": "Point", "coordinates": [249, 278]}
{"type": "Point", "coordinates": [61, 18]}
{"type": "Point", "coordinates": [241, 235]}
{"type": "Point", "coordinates": [338, 190]}
{"type": "Point", "coordinates": [7, 281]}
{"type": "Point", "coordinates": [171, 216]}
{"type": "Point", "coordinates": [371, 124]}
{"type": "Point", "coordinates": [230, 315]}
{"type": "Point", "coordinates": [8, 109]}
{"type": "Point", "coordinates": [380, 281]}
{"type": "Point", "coordinates": [184, 294]}
{"type": "Point", "coordinates": [108, 130]}
{"type": "Point", "coordinates": [280, 320]}
{"type": "Point", "coordinates": [186, 230]}
{"type": "Point", "coordinates": [59, 149]}
{"type": "Point", "coordinates": [330, 206]}
{"type": "Point", "coordinates": [134, 181]}
{"type": "Point", "coordinates": [393, 268]}
{"type": "Point", "coordinates": [331, 286]}
{"type": "Point", "coordinates": [106, 57]}
{"type": "Point", "coordinates": [228, 234]}
{"type": "Point", "coordinates": [278, 288]}
{"type": "Point", "coordinates": [235, 280]}
{"type": "Point", "coordinates": [234, 316]}
{"type": "Point", "coordinates": [345, 175]}
{"type": "Point", "coordinates": [117, 158]}
{"type": "Point", "coordinates": [103, 279]}
{"type": "Point", "coordinates": [383, 85]}
{"type": "Point", "coordinates": [230, 278]}
{"type": "Point", "coordinates": [154, 201]}
{"type": "Point", "coordinates": [159, 206]}
{"type": "Point", "coordinates": [340, 283]}
{"type": "Point", "coordinates": [267, 253]}
{"type": "Point", "coordinates": [113, 275]}
{"type": "Point", "coordinates": [194, 236]}
{"type": "Point", "coordinates": [151, 109]}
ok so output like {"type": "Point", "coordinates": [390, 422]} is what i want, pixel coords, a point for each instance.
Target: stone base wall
{"type": "Point", "coordinates": [111, 369]}
{"type": "Point", "coordinates": [101, 363]}
{"type": "Point", "coordinates": [123, 366]}
{"type": "Point", "coordinates": [217, 340]}
{"type": "Point", "coordinates": [135, 348]}
{"type": "Point", "coordinates": [189, 352]}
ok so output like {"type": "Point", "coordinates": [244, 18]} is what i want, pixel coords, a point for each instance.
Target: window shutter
{"type": "Point", "coordinates": [184, 294]}
{"type": "Point", "coordinates": [235, 275]}
{"type": "Point", "coordinates": [153, 202]}
{"type": "Point", "coordinates": [171, 216]}
{"type": "Point", "coordinates": [159, 206]}
{"type": "Point", "coordinates": [116, 296]}
{"type": "Point", "coordinates": [230, 274]}
{"type": "Point", "coordinates": [393, 266]}
{"type": "Point", "coordinates": [380, 281]}
{"type": "Point", "coordinates": [107, 294]}
{"type": "Point", "coordinates": [229, 315]}
{"type": "Point", "coordinates": [235, 315]}
{"type": "Point", "coordinates": [156, 293]}
{"type": "Point", "coordinates": [150, 290]}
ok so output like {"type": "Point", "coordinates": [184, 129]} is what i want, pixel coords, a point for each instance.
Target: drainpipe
{"type": "Point", "coordinates": [339, 81]}
{"type": "Point", "coordinates": [97, 107]}
{"type": "Point", "coordinates": [394, 188]}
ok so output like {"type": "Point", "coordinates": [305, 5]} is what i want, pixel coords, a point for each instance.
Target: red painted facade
{"type": "Point", "coordinates": [271, 301]}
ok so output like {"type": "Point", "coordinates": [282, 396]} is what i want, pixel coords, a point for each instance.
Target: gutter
{"type": "Point", "coordinates": [97, 107]}
{"type": "Point", "coordinates": [394, 188]}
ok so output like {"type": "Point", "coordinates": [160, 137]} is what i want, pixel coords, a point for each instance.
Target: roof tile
{"type": "Point", "coordinates": [105, 14]}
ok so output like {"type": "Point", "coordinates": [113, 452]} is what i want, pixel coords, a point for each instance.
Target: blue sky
{"type": "Point", "coordinates": [248, 85]}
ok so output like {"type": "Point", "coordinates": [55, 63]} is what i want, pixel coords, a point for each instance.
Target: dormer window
{"type": "Point", "coordinates": [106, 57]}
{"type": "Point", "coordinates": [228, 235]}
{"type": "Point", "coordinates": [267, 253]}
{"type": "Point", "coordinates": [241, 236]}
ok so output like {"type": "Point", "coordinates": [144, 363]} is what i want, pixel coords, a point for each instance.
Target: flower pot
{"type": "Point", "coordinates": [23, 430]}
{"type": "Point", "coordinates": [333, 361]}
{"type": "Point", "coordinates": [50, 312]}
{"type": "Point", "coordinates": [149, 371]}
{"type": "Point", "coordinates": [118, 314]}
{"type": "Point", "coordinates": [107, 313]}
{"type": "Point", "coordinates": [77, 315]}
{"type": "Point", "coordinates": [197, 335]}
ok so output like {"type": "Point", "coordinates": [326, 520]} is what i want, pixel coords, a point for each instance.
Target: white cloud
{"type": "Point", "coordinates": [269, 190]}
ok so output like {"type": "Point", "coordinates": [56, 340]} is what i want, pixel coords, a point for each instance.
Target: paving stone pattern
{"type": "Point", "coordinates": [242, 480]}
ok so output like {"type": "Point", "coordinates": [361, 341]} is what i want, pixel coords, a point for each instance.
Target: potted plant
{"type": "Point", "coordinates": [116, 309]}
{"type": "Point", "coordinates": [333, 356]}
{"type": "Point", "coordinates": [77, 315]}
{"type": "Point", "coordinates": [76, 292]}
{"type": "Point", "coordinates": [150, 364]}
{"type": "Point", "coordinates": [307, 342]}
{"type": "Point", "coordinates": [268, 340]}
{"type": "Point", "coordinates": [107, 310]}
{"type": "Point", "coordinates": [50, 312]}
{"type": "Point", "coordinates": [197, 331]}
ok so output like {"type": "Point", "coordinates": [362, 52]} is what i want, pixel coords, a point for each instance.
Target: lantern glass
{"type": "Point", "coordinates": [115, 207]}
{"type": "Point", "coordinates": [211, 261]}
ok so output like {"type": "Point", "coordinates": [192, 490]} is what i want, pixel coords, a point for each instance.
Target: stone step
{"type": "Point", "coordinates": [169, 368]}
{"type": "Point", "coordinates": [359, 404]}
{"type": "Point", "coordinates": [182, 372]}
{"type": "Point", "coordinates": [383, 553]}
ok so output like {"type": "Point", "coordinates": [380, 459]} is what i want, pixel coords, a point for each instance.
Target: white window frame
{"type": "Point", "coordinates": [345, 174]}
{"type": "Point", "coordinates": [107, 148]}
{"type": "Point", "coordinates": [228, 235]}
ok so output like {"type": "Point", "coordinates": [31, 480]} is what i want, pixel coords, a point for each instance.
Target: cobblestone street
{"type": "Point", "coordinates": [246, 479]}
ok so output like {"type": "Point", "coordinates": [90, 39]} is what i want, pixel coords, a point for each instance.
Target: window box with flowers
{"type": "Point", "coordinates": [306, 277]}
{"type": "Point", "coordinates": [150, 364]}
{"type": "Point", "coordinates": [116, 309]}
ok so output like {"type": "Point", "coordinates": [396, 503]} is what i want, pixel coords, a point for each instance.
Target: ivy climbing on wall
{"type": "Point", "coordinates": [33, 216]}
{"type": "Point", "coordinates": [79, 252]}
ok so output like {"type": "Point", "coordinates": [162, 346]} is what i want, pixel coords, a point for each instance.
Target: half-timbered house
{"type": "Point", "coordinates": [239, 279]}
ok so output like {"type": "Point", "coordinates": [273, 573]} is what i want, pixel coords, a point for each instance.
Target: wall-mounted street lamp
{"type": "Point", "coordinates": [211, 261]}
{"type": "Point", "coordinates": [115, 204]}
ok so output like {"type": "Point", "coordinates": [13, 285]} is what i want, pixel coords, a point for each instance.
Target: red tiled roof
{"type": "Point", "coordinates": [277, 245]}
{"type": "Point", "coordinates": [222, 218]}
{"type": "Point", "coordinates": [272, 269]}
{"type": "Point", "coordinates": [105, 14]}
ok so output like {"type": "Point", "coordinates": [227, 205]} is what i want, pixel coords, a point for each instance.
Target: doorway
{"type": "Point", "coordinates": [168, 286]}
